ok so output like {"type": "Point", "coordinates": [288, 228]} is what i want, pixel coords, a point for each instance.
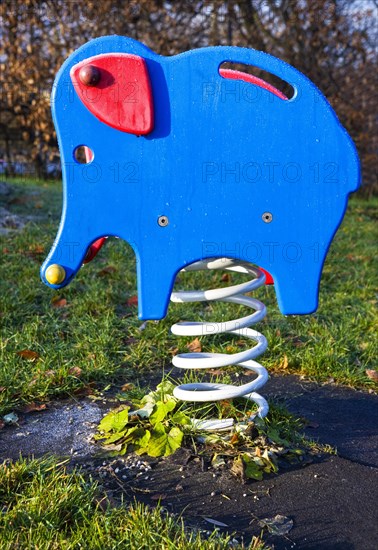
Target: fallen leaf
{"type": "Point", "coordinates": [284, 363]}
{"type": "Point", "coordinates": [35, 251]}
{"type": "Point", "coordinates": [194, 346]}
{"type": "Point", "coordinates": [226, 278]}
{"type": "Point", "coordinates": [106, 270]}
{"type": "Point", "coordinates": [225, 408]}
{"type": "Point", "coordinates": [279, 525]}
{"type": "Point", "coordinates": [216, 372]}
{"type": "Point", "coordinates": [20, 200]}
{"type": "Point", "coordinates": [248, 372]}
{"type": "Point", "coordinates": [372, 374]}
{"type": "Point", "coordinates": [75, 371]}
{"type": "Point", "coordinates": [2, 388]}
{"type": "Point", "coordinates": [2, 424]}
{"type": "Point", "coordinates": [132, 301]}
{"type": "Point", "coordinates": [159, 496]}
{"type": "Point", "coordinates": [238, 468]}
{"type": "Point", "coordinates": [216, 522]}
{"type": "Point", "coordinates": [84, 391]}
{"type": "Point", "coordinates": [234, 439]}
{"type": "Point", "coordinates": [31, 407]}
{"type": "Point", "coordinates": [49, 373]}
{"type": "Point", "coordinates": [231, 349]}
{"type": "Point", "coordinates": [298, 343]}
{"type": "Point", "coordinates": [28, 354]}
{"type": "Point", "coordinates": [103, 503]}
{"type": "Point", "coordinates": [127, 387]}
{"type": "Point", "coordinates": [59, 302]}
{"type": "Point", "coordinates": [130, 341]}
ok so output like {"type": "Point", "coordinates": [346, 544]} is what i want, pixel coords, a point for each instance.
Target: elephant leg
{"type": "Point", "coordinates": [156, 277]}
{"type": "Point", "coordinates": [297, 288]}
{"type": "Point", "coordinates": [68, 251]}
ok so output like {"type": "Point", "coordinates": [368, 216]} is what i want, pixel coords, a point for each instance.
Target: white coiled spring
{"type": "Point", "coordinates": [204, 391]}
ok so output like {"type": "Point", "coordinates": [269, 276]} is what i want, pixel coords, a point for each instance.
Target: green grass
{"type": "Point", "coordinates": [95, 337]}
{"type": "Point", "coordinates": [81, 516]}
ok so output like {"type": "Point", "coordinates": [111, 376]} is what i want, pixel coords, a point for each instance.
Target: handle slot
{"type": "Point", "coordinates": [258, 77]}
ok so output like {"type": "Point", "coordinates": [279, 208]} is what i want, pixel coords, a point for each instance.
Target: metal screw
{"type": "Point", "coordinates": [267, 217]}
{"type": "Point", "coordinates": [163, 221]}
{"type": "Point", "coordinates": [90, 75]}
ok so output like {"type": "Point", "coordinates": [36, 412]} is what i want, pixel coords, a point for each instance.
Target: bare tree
{"type": "Point", "coordinates": [331, 41]}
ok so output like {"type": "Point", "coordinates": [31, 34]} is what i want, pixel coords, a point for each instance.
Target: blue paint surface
{"type": "Point", "coordinates": [222, 152]}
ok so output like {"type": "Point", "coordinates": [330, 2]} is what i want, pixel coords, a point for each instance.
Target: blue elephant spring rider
{"type": "Point", "coordinates": [200, 167]}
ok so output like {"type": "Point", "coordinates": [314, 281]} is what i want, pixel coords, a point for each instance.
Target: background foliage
{"type": "Point", "coordinates": [331, 41]}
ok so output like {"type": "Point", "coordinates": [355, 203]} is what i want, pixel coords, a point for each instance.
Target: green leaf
{"type": "Point", "coordinates": [112, 438]}
{"type": "Point", "coordinates": [274, 436]}
{"type": "Point", "coordinates": [133, 434]}
{"type": "Point", "coordinates": [174, 441]}
{"type": "Point", "coordinates": [181, 418]}
{"type": "Point", "coordinates": [163, 443]}
{"type": "Point", "coordinates": [158, 440]}
{"type": "Point", "coordinates": [165, 387]}
{"type": "Point", "coordinates": [114, 421]}
{"type": "Point", "coordinates": [270, 466]}
{"type": "Point", "coordinates": [297, 451]}
{"type": "Point", "coordinates": [161, 409]}
{"type": "Point", "coordinates": [141, 444]}
{"type": "Point", "coordinates": [163, 392]}
{"type": "Point", "coordinates": [252, 470]}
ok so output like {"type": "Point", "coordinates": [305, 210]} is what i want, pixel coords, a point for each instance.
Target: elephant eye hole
{"type": "Point", "coordinates": [83, 154]}
{"type": "Point", "coordinates": [258, 77]}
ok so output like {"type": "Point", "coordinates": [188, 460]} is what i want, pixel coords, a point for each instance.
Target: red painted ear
{"type": "Point", "coordinates": [115, 87]}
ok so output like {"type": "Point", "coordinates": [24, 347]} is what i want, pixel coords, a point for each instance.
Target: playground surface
{"type": "Point", "coordinates": [331, 501]}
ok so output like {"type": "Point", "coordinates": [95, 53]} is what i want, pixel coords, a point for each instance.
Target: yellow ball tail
{"type": "Point", "coordinates": [55, 274]}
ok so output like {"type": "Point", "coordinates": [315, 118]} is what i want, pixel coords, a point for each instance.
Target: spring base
{"type": "Point", "coordinates": [208, 391]}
